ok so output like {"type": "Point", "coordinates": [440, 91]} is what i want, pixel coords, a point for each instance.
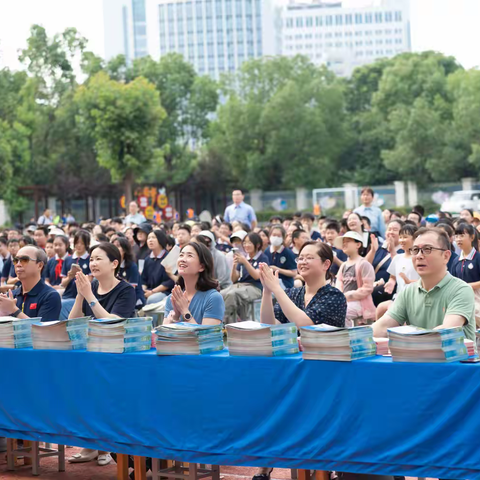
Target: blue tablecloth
{"type": "Point", "coordinates": [370, 416]}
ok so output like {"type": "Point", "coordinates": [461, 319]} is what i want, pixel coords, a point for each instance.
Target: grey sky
{"type": "Point", "coordinates": [448, 26]}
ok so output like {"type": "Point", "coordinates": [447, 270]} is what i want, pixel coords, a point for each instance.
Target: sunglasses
{"type": "Point", "coordinates": [24, 260]}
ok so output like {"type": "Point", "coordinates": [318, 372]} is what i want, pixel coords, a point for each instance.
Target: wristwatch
{"type": "Point", "coordinates": [92, 304]}
{"type": "Point", "coordinates": [16, 313]}
{"type": "Point", "coordinates": [187, 316]}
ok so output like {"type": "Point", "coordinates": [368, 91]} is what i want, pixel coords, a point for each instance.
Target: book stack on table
{"type": "Point", "coordinates": [413, 344]}
{"type": "Point", "coordinates": [61, 334]}
{"type": "Point", "coordinates": [15, 333]}
{"type": "Point", "coordinates": [120, 335]}
{"type": "Point", "coordinates": [184, 338]}
{"type": "Point", "coordinates": [258, 339]}
{"type": "Point", "coordinates": [382, 346]}
{"type": "Point", "coordinates": [324, 342]}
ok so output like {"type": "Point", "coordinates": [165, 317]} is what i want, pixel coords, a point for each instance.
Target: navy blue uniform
{"type": "Point", "coordinates": [341, 256]}
{"type": "Point", "coordinates": [315, 236]}
{"type": "Point", "coordinates": [51, 273]}
{"type": "Point", "coordinates": [119, 301]}
{"type": "Point", "coordinates": [284, 259]}
{"type": "Point", "coordinates": [84, 262]}
{"type": "Point", "coordinates": [223, 246]}
{"type": "Point", "coordinates": [468, 268]}
{"type": "Point", "coordinates": [245, 277]}
{"type": "Point", "coordinates": [452, 263]}
{"type": "Point", "coordinates": [41, 301]}
{"type": "Point", "coordinates": [131, 275]}
{"type": "Point", "coordinates": [154, 273]}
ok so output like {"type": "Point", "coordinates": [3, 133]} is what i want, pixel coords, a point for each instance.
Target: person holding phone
{"type": "Point", "coordinates": [78, 262]}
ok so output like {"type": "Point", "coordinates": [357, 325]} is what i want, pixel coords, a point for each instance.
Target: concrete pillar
{"type": "Point", "coordinates": [4, 216]}
{"type": "Point", "coordinates": [90, 216]}
{"type": "Point", "coordinates": [256, 200]}
{"type": "Point", "coordinates": [351, 197]}
{"type": "Point", "coordinates": [412, 194]}
{"type": "Point", "coordinates": [400, 194]}
{"type": "Point", "coordinates": [52, 205]}
{"type": "Point", "coordinates": [467, 183]}
{"type": "Point", "coordinates": [301, 199]}
{"type": "Point", "coordinates": [98, 207]}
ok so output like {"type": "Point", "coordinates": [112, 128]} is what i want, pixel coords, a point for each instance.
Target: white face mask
{"type": "Point", "coordinates": [276, 241]}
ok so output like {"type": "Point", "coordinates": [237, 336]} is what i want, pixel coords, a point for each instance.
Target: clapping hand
{"type": "Point", "coordinates": [84, 287]}
{"type": "Point", "coordinates": [268, 278]}
{"type": "Point", "coordinates": [179, 301]}
{"type": "Point", "coordinates": [373, 242]}
{"type": "Point", "coordinates": [8, 304]}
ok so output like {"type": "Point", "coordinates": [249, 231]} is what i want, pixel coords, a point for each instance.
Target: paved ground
{"type": "Point", "coordinates": [90, 471]}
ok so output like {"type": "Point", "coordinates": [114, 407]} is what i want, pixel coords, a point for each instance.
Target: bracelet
{"type": "Point", "coordinates": [16, 313]}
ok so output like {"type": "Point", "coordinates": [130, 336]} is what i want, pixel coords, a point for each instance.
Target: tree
{"type": "Point", "coordinates": [124, 120]}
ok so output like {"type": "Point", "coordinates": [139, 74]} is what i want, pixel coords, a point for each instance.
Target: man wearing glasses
{"type": "Point", "coordinates": [437, 300]}
{"type": "Point", "coordinates": [34, 298]}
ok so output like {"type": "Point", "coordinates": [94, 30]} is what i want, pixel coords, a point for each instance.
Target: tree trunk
{"type": "Point", "coordinates": [128, 186]}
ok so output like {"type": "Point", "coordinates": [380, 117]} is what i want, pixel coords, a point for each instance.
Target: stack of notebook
{"type": "Point", "coordinates": [413, 344]}
{"type": "Point", "coordinates": [121, 335]}
{"type": "Point", "coordinates": [324, 342]}
{"type": "Point", "coordinates": [470, 344]}
{"type": "Point", "coordinates": [259, 339]}
{"type": "Point", "coordinates": [382, 346]}
{"type": "Point", "coordinates": [188, 339]}
{"type": "Point", "coordinates": [61, 334]}
{"type": "Point", "coordinates": [16, 333]}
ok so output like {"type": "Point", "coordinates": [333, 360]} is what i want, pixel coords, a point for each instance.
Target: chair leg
{"type": "Point", "coordinates": [35, 458]}
{"type": "Point", "coordinates": [321, 475]}
{"type": "Point", "coordinates": [155, 468]}
{"type": "Point", "coordinates": [122, 467]}
{"type": "Point", "coordinates": [293, 474]}
{"type": "Point", "coordinates": [192, 471]}
{"type": "Point", "coordinates": [304, 474]}
{"type": "Point", "coordinates": [27, 444]}
{"type": "Point", "coordinates": [140, 468]}
{"type": "Point", "coordinates": [61, 458]}
{"type": "Point", "coordinates": [215, 472]}
{"type": "Point", "coordinates": [10, 456]}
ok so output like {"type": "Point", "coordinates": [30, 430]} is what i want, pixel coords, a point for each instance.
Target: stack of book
{"type": "Point", "coordinates": [324, 342]}
{"type": "Point", "coordinates": [470, 344]}
{"type": "Point", "coordinates": [120, 335]}
{"type": "Point", "coordinates": [61, 334]}
{"type": "Point", "coordinates": [16, 333]}
{"type": "Point", "coordinates": [188, 339]}
{"type": "Point", "coordinates": [259, 339]}
{"type": "Point", "coordinates": [413, 344]}
{"type": "Point", "coordinates": [382, 346]}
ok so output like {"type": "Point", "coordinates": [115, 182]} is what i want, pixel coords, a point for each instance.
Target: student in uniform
{"type": "Point", "coordinates": [307, 219]}
{"type": "Point", "coordinates": [468, 265]}
{"type": "Point", "coordinates": [280, 258]}
{"type": "Point", "coordinates": [183, 235]}
{"type": "Point", "coordinates": [263, 234]}
{"type": "Point", "coordinates": [49, 250]}
{"type": "Point", "coordinates": [299, 239]}
{"type": "Point", "coordinates": [246, 279]}
{"type": "Point", "coordinates": [142, 251]}
{"type": "Point", "coordinates": [4, 255]}
{"type": "Point", "coordinates": [195, 298]}
{"type": "Point", "coordinates": [53, 270]}
{"type": "Point", "coordinates": [450, 231]}
{"type": "Point", "coordinates": [332, 231]}
{"type": "Point", "coordinates": [467, 215]}
{"type": "Point", "coordinates": [355, 224]}
{"type": "Point", "coordinates": [41, 236]}
{"type": "Point", "coordinates": [129, 270]}
{"type": "Point", "coordinates": [223, 234]}
{"type": "Point", "coordinates": [78, 262]}
{"type": "Point", "coordinates": [8, 273]}
{"type": "Point", "coordinates": [156, 282]}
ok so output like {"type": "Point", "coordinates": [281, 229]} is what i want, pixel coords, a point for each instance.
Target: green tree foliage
{"type": "Point", "coordinates": [124, 120]}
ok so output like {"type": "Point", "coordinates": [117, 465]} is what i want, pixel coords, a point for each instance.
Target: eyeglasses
{"type": "Point", "coordinates": [426, 250]}
{"type": "Point", "coordinates": [305, 259]}
{"type": "Point", "coordinates": [24, 260]}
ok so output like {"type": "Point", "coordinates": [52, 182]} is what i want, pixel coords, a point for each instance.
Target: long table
{"type": "Point", "coordinates": [370, 416]}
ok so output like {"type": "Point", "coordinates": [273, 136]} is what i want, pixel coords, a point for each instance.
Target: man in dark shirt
{"type": "Point", "coordinates": [33, 298]}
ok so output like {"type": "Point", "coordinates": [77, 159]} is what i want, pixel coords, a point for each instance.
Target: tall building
{"type": "Point", "coordinates": [214, 35]}
{"type": "Point", "coordinates": [344, 36]}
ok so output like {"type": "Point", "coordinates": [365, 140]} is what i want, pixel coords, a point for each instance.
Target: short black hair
{"type": "Point", "coordinates": [308, 216]}
{"type": "Point", "coordinates": [419, 209]}
{"type": "Point", "coordinates": [112, 252]}
{"type": "Point", "coordinates": [13, 240]}
{"type": "Point", "coordinates": [84, 236]}
{"type": "Point", "coordinates": [275, 217]}
{"type": "Point", "coordinates": [255, 239]}
{"type": "Point", "coordinates": [408, 230]}
{"type": "Point", "coordinates": [117, 220]}
{"type": "Point", "coordinates": [442, 237]}
{"type": "Point", "coordinates": [101, 237]}
{"type": "Point", "coordinates": [366, 219]}
{"type": "Point", "coordinates": [296, 234]}
{"type": "Point", "coordinates": [43, 228]}
{"type": "Point", "coordinates": [109, 229]}
{"type": "Point", "coordinates": [185, 226]}
{"type": "Point", "coordinates": [3, 240]}
{"type": "Point", "coordinates": [50, 240]}
{"type": "Point", "coordinates": [368, 190]}
{"type": "Point", "coordinates": [333, 226]}
{"type": "Point", "coordinates": [228, 225]}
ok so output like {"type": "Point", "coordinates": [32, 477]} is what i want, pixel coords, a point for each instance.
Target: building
{"type": "Point", "coordinates": [344, 36]}
{"type": "Point", "coordinates": [214, 35]}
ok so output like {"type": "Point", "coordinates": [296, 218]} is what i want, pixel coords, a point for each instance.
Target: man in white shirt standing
{"type": "Point", "coordinates": [135, 217]}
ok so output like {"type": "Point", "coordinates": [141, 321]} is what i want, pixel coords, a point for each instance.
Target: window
{"type": "Point", "coordinates": [329, 45]}
{"type": "Point", "coordinates": [329, 20]}
{"type": "Point", "coordinates": [348, 19]}
{"type": "Point", "coordinates": [358, 18]}
{"type": "Point", "coordinates": [369, 18]}
{"type": "Point", "coordinates": [359, 53]}
{"type": "Point", "coordinates": [379, 41]}
{"type": "Point", "coordinates": [368, 33]}
{"type": "Point", "coordinates": [299, 22]}
{"type": "Point", "coordinates": [389, 52]}
{"type": "Point", "coordinates": [319, 21]}
{"type": "Point", "coordinates": [379, 17]}
{"type": "Point", "coordinates": [358, 34]}
{"type": "Point", "coordinates": [369, 53]}
{"type": "Point", "coordinates": [328, 35]}
{"type": "Point", "coordinates": [359, 43]}
{"type": "Point", "coordinates": [388, 17]}
{"type": "Point", "coordinates": [379, 32]}
{"type": "Point", "coordinates": [339, 44]}
{"type": "Point", "coordinates": [388, 32]}
{"type": "Point", "coordinates": [398, 16]}
{"type": "Point", "coordinates": [369, 42]}
{"type": "Point", "coordinates": [289, 23]}
{"type": "Point", "coordinates": [309, 21]}
{"type": "Point", "coordinates": [310, 36]}
{"type": "Point", "coordinates": [318, 35]}
{"type": "Point", "coordinates": [389, 41]}
{"type": "Point", "coordinates": [338, 19]}
{"type": "Point", "coordinates": [379, 52]}
{"type": "Point", "coordinates": [398, 41]}
{"type": "Point", "coordinates": [338, 34]}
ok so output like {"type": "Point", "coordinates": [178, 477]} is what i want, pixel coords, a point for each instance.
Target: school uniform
{"type": "Point", "coordinates": [381, 262]}
{"type": "Point", "coordinates": [315, 236]}
{"type": "Point", "coordinates": [41, 301]}
{"type": "Point", "coordinates": [8, 269]}
{"type": "Point", "coordinates": [154, 275]}
{"type": "Point", "coordinates": [84, 262]}
{"type": "Point", "coordinates": [284, 258]}
{"type": "Point", "coordinates": [340, 254]}
{"type": "Point", "coordinates": [240, 295]}
{"type": "Point", "coordinates": [224, 247]}
{"type": "Point", "coordinates": [467, 267]}
{"type": "Point", "coordinates": [53, 270]}
{"type": "Point", "coordinates": [119, 301]}
{"type": "Point", "coordinates": [452, 262]}
{"type": "Point", "coordinates": [130, 274]}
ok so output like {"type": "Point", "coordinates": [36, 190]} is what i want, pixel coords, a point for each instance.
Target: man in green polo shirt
{"type": "Point", "coordinates": [437, 300]}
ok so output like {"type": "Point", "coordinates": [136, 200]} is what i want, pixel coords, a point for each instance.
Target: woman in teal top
{"type": "Point", "coordinates": [195, 298]}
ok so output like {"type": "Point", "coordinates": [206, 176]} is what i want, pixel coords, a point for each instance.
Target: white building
{"type": "Point", "coordinates": [344, 35]}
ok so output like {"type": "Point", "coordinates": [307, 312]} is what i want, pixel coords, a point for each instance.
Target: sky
{"type": "Point", "coordinates": [448, 26]}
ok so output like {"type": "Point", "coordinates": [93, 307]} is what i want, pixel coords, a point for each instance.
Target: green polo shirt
{"type": "Point", "coordinates": [452, 296]}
